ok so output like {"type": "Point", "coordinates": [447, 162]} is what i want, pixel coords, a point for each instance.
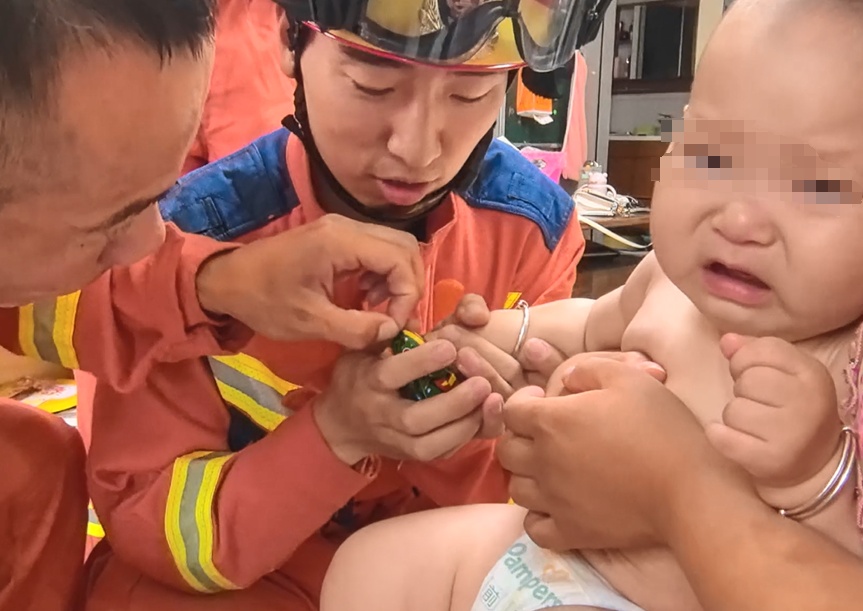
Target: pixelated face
{"type": "Point", "coordinates": [393, 133]}
{"type": "Point", "coordinates": [757, 214]}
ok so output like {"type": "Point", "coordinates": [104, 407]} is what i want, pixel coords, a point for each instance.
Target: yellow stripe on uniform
{"type": "Point", "coordinates": [26, 330]}
{"type": "Point", "coordinates": [64, 329]}
{"type": "Point", "coordinates": [46, 330]}
{"type": "Point", "coordinates": [189, 523]}
{"type": "Point", "coordinates": [94, 527]}
{"type": "Point", "coordinates": [204, 520]}
{"type": "Point", "coordinates": [173, 531]}
{"type": "Point", "coordinates": [511, 300]}
{"type": "Point", "coordinates": [247, 384]}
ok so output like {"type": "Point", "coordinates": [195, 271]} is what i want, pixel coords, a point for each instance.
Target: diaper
{"type": "Point", "coordinates": [529, 578]}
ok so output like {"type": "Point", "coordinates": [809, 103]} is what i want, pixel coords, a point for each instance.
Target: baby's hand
{"type": "Point", "coordinates": [484, 340]}
{"type": "Point", "coordinates": [783, 424]}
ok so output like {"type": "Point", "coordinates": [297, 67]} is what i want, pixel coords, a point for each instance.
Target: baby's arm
{"type": "Point", "coordinates": [783, 427]}
{"type": "Point", "coordinates": [838, 521]}
{"type": "Point", "coordinates": [574, 326]}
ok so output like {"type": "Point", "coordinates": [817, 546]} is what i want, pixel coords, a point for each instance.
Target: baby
{"type": "Point", "coordinates": [750, 303]}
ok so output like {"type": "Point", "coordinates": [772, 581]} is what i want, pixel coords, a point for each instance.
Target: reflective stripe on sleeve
{"type": "Point", "coordinates": [189, 519]}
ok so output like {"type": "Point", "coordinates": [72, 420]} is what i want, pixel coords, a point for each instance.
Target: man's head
{"type": "Point", "coordinates": [757, 216]}
{"type": "Point", "coordinates": [391, 133]}
{"type": "Point", "coordinates": [99, 101]}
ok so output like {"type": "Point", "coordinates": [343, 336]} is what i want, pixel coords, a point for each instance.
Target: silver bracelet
{"type": "Point", "coordinates": [838, 481]}
{"type": "Point", "coordinates": [525, 325]}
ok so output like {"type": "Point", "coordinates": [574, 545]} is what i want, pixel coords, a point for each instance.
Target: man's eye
{"type": "Point", "coordinates": [371, 91]}
{"type": "Point", "coordinates": [122, 226]}
{"type": "Point", "coordinates": [470, 100]}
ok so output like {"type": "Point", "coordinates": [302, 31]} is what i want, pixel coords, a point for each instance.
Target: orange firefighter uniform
{"type": "Point", "coordinates": [43, 510]}
{"type": "Point", "coordinates": [249, 94]}
{"type": "Point", "coordinates": [212, 480]}
{"type": "Point", "coordinates": [43, 499]}
{"type": "Point", "coordinates": [128, 319]}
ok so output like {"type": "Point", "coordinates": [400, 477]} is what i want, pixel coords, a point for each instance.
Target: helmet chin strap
{"type": "Point", "coordinates": [421, 209]}
{"type": "Point", "coordinates": [298, 124]}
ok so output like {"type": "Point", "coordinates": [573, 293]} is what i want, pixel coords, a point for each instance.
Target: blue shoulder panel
{"type": "Point", "coordinates": [509, 182]}
{"type": "Point", "coordinates": [235, 195]}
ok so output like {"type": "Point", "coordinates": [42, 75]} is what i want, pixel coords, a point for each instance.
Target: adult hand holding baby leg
{"type": "Point", "coordinates": [361, 413]}
{"type": "Point", "coordinates": [783, 424]}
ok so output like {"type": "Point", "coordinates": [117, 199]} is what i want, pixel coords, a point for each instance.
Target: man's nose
{"type": "Point", "coordinates": [416, 134]}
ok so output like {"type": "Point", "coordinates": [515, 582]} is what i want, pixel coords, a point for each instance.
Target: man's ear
{"type": "Point", "coordinates": [287, 57]}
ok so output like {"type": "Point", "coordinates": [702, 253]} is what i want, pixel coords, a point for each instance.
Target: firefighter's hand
{"type": "Point", "coordinates": [362, 414]}
{"type": "Point", "coordinates": [282, 286]}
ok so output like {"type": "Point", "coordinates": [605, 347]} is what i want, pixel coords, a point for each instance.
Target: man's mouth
{"type": "Point", "coordinates": [403, 193]}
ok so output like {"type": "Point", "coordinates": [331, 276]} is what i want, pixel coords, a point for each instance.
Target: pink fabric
{"type": "Point", "coordinates": [851, 414]}
{"type": "Point", "coordinates": [575, 140]}
{"type": "Point", "coordinates": [549, 162]}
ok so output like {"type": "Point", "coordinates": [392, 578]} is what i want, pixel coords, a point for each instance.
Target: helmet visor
{"type": "Point", "coordinates": [481, 34]}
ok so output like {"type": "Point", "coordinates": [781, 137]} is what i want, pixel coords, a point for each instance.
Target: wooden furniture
{"type": "Point", "coordinates": [633, 165]}
{"type": "Point", "coordinates": [598, 275]}
{"type": "Point", "coordinates": [595, 278]}
{"type": "Point", "coordinates": [638, 223]}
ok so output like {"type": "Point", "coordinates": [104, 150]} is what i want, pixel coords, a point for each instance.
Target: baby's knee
{"type": "Point", "coordinates": [363, 568]}
{"type": "Point", "coordinates": [349, 557]}
{"type": "Point", "coordinates": [385, 562]}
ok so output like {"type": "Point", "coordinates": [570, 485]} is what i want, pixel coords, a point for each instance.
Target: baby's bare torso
{"type": "Point", "coordinates": [668, 328]}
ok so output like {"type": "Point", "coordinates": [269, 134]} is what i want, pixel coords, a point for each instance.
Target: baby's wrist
{"type": "Point", "coordinates": [503, 329]}
{"type": "Point", "coordinates": [813, 495]}
{"type": "Point", "coordinates": [793, 496]}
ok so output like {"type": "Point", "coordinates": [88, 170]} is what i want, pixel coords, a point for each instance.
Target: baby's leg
{"type": "Point", "coordinates": [428, 561]}
{"type": "Point", "coordinates": [432, 561]}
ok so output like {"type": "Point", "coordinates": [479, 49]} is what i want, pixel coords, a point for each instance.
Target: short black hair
{"type": "Point", "coordinates": [37, 36]}
{"type": "Point", "coordinates": [34, 34]}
